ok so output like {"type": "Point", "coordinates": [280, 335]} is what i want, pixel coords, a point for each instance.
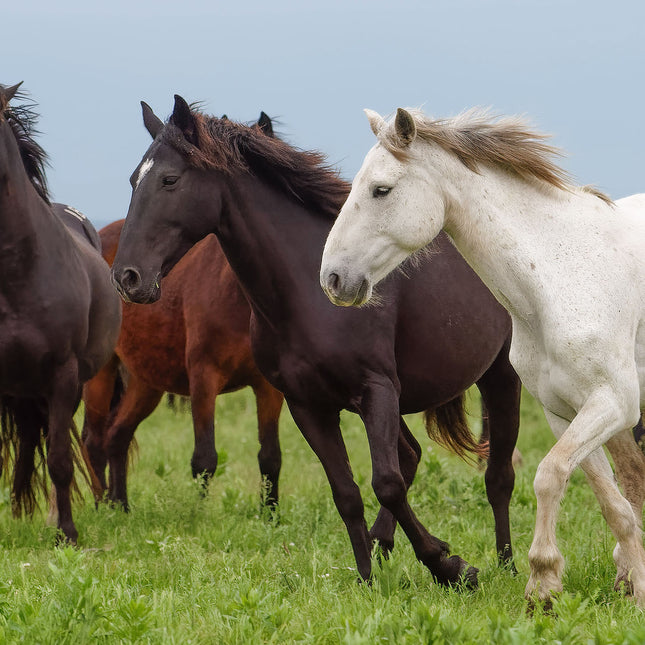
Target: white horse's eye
{"type": "Point", "coordinates": [380, 191]}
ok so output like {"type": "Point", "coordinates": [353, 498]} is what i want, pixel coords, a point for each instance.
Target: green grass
{"type": "Point", "coordinates": [185, 569]}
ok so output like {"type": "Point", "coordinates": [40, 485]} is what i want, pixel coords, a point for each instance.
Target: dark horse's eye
{"type": "Point", "coordinates": [169, 181]}
{"type": "Point", "coordinates": [381, 191]}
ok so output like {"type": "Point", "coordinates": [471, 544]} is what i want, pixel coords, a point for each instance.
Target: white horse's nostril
{"type": "Point", "coordinates": [333, 282]}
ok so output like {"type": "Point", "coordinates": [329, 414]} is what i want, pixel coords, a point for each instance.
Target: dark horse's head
{"type": "Point", "coordinates": [170, 199]}
{"type": "Point", "coordinates": [18, 123]}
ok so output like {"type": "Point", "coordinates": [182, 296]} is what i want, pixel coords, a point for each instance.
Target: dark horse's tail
{"type": "Point", "coordinates": [21, 427]}
{"type": "Point", "coordinates": [23, 424]}
{"type": "Point", "coordinates": [447, 425]}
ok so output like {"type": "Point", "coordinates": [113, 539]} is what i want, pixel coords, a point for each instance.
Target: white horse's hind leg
{"type": "Point", "coordinates": [598, 420]}
{"type": "Point", "coordinates": [630, 470]}
{"type": "Point", "coordinates": [600, 478]}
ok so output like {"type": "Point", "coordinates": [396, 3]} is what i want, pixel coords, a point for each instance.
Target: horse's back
{"type": "Point", "coordinates": [78, 223]}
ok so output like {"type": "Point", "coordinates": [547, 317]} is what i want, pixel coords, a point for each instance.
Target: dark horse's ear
{"type": "Point", "coordinates": [7, 93]}
{"type": "Point", "coordinates": [154, 125]}
{"type": "Point", "coordinates": [183, 118]}
{"type": "Point", "coordinates": [265, 124]}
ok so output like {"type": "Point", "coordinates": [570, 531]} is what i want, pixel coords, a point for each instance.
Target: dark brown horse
{"type": "Point", "coordinates": [59, 317]}
{"type": "Point", "coordinates": [194, 342]}
{"type": "Point", "coordinates": [271, 207]}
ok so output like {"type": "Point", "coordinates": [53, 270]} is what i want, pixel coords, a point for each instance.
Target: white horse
{"type": "Point", "coordinates": [567, 263]}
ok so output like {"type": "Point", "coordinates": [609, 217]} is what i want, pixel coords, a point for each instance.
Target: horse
{"type": "Point", "coordinates": [565, 261]}
{"type": "Point", "coordinates": [193, 342]}
{"type": "Point", "coordinates": [271, 206]}
{"type": "Point", "coordinates": [60, 317]}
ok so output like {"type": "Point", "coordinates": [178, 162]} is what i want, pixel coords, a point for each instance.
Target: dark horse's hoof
{"type": "Point", "coordinates": [466, 574]}
{"type": "Point", "coordinates": [469, 578]}
{"type": "Point", "coordinates": [66, 538]}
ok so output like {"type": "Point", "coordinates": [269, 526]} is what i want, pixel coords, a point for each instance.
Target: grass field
{"type": "Point", "coordinates": [185, 569]}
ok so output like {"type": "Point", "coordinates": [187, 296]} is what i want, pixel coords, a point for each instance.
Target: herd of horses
{"type": "Point", "coordinates": [249, 215]}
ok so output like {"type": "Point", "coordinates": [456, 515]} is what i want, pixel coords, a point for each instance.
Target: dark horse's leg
{"type": "Point", "coordinates": [380, 413]}
{"type": "Point", "coordinates": [322, 431]}
{"type": "Point", "coordinates": [62, 403]}
{"type": "Point", "coordinates": [138, 402]}
{"type": "Point", "coordinates": [500, 389]}
{"type": "Point", "coordinates": [269, 404]}
{"type": "Point", "coordinates": [97, 396]}
{"type": "Point", "coordinates": [382, 531]}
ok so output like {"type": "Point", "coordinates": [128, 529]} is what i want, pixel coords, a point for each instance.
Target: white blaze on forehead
{"type": "Point", "coordinates": [143, 171]}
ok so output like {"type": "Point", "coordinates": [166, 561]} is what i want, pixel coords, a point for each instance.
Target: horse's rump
{"type": "Point", "coordinates": [75, 221]}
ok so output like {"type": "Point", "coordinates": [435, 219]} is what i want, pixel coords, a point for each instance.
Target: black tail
{"type": "Point", "coordinates": [447, 425]}
{"type": "Point", "coordinates": [182, 406]}
{"type": "Point", "coordinates": [22, 426]}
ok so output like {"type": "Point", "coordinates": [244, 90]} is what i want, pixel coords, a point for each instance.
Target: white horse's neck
{"type": "Point", "coordinates": [513, 231]}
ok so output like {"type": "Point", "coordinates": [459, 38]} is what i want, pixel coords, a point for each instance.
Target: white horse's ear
{"type": "Point", "coordinates": [405, 127]}
{"type": "Point", "coordinates": [376, 121]}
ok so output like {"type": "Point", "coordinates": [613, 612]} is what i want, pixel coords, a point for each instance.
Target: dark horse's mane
{"type": "Point", "coordinates": [227, 146]}
{"type": "Point", "coordinates": [23, 119]}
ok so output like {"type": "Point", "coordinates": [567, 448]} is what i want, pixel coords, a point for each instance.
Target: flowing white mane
{"type": "Point", "coordinates": [477, 137]}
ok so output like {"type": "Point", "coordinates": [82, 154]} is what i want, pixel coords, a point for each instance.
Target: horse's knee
{"type": "Point", "coordinates": [204, 463]}
{"type": "Point", "coordinates": [61, 468]}
{"type": "Point", "coordinates": [270, 461]}
{"type": "Point", "coordinates": [349, 504]}
{"type": "Point", "coordinates": [389, 488]}
{"type": "Point", "coordinates": [500, 481]}
{"type": "Point", "coordinates": [551, 477]}
{"type": "Point", "coordinates": [622, 520]}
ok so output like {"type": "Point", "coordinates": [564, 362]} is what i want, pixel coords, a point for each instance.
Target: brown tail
{"type": "Point", "coordinates": [447, 425]}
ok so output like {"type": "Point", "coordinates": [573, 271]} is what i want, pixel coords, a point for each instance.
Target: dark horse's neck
{"type": "Point", "coordinates": [274, 245]}
{"type": "Point", "coordinates": [28, 226]}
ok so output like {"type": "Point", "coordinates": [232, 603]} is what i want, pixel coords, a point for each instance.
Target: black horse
{"type": "Point", "coordinates": [272, 206]}
{"type": "Point", "coordinates": [59, 315]}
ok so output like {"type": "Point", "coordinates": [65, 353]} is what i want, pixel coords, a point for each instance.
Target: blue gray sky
{"type": "Point", "coordinates": [575, 69]}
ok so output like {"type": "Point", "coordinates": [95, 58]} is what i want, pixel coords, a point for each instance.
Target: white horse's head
{"type": "Point", "coordinates": [395, 207]}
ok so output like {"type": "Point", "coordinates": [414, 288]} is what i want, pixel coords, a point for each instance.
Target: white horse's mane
{"type": "Point", "coordinates": [476, 137]}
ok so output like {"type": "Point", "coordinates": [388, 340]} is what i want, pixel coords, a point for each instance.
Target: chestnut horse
{"type": "Point", "coordinates": [193, 342]}
{"type": "Point", "coordinates": [60, 317]}
{"type": "Point", "coordinates": [435, 332]}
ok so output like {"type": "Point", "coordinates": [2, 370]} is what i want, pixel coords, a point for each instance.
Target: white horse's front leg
{"type": "Point", "coordinates": [600, 418]}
